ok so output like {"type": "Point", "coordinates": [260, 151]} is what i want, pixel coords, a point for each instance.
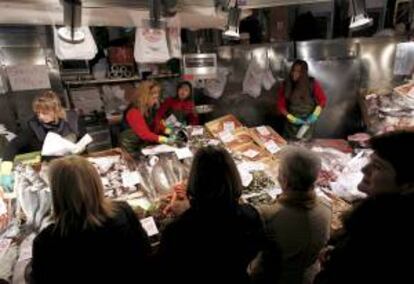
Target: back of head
{"type": "Point", "coordinates": [397, 149]}
{"type": "Point", "coordinates": [49, 102]}
{"type": "Point", "coordinates": [299, 169]}
{"type": "Point", "coordinates": [378, 240]}
{"type": "Point", "coordinates": [77, 195]}
{"type": "Point", "coordinates": [214, 184]}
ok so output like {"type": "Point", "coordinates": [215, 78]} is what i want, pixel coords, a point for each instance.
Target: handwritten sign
{"type": "Point", "coordinates": [28, 77]}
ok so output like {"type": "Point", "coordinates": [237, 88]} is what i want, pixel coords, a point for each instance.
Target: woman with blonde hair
{"type": "Point", "coordinates": [49, 116]}
{"type": "Point", "coordinates": [139, 119]}
{"type": "Point", "coordinates": [92, 239]}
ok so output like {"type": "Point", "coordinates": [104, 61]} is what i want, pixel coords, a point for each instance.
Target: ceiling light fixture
{"type": "Point", "coordinates": [359, 20]}
{"type": "Point", "coordinates": [72, 18]}
{"type": "Point", "coordinates": [233, 20]}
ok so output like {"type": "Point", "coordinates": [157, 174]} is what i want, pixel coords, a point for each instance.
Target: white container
{"type": "Point", "coordinates": [302, 131]}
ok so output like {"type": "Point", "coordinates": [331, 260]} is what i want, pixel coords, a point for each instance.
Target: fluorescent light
{"type": "Point", "coordinates": [71, 35]}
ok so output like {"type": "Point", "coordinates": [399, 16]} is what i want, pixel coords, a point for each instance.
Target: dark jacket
{"type": "Point", "coordinates": [376, 245]}
{"type": "Point", "coordinates": [114, 253]}
{"type": "Point", "coordinates": [210, 248]}
{"type": "Point", "coordinates": [32, 137]}
{"type": "Point", "coordinates": [297, 227]}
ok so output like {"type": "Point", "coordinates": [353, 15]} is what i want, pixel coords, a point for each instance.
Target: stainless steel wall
{"type": "Point", "coordinates": [377, 57]}
{"type": "Point", "coordinates": [249, 110]}
{"type": "Point", "coordinates": [337, 66]}
{"type": "Point", "coordinates": [344, 67]}
{"type": "Point", "coordinates": [27, 45]}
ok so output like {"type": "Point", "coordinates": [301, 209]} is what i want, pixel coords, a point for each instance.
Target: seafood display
{"type": "Point", "coordinates": [223, 124]}
{"type": "Point", "coordinates": [269, 139]}
{"type": "Point", "coordinates": [33, 196]}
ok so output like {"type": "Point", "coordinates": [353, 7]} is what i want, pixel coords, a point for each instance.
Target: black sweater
{"type": "Point", "coordinates": [114, 253]}
{"type": "Point", "coordinates": [31, 139]}
{"type": "Point", "coordinates": [210, 247]}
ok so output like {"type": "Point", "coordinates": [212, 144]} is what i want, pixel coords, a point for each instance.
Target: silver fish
{"type": "Point", "coordinates": [45, 206]}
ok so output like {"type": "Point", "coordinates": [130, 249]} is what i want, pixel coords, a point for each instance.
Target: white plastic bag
{"type": "Point", "coordinates": [100, 69]}
{"type": "Point", "coordinates": [174, 37]}
{"type": "Point", "coordinates": [252, 83]}
{"type": "Point", "coordinates": [151, 46]}
{"type": "Point", "coordinates": [85, 50]}
{"type": "Point", "coordinates": [267, 79]}
{"type": "Point", "coordinates": [215, 87]}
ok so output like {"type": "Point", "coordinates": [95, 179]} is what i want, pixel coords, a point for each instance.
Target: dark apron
{"type": "Point", "coordinates": [301, 106]}
{"type": "Point", "coordinates": [131, 142]}
{"type": "Point", "coordinates": [180, 115]}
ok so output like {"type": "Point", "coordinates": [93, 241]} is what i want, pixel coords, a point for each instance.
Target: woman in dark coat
{"type": "Point", "coordinates": [92, 239]}
{"type": "Point", "coordinates": [216, 238]}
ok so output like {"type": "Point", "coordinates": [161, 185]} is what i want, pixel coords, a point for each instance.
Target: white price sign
{"type": "Point", "coordinates": [199, 131]}
{"type": "Point", "coordinates": [183, 153]}
{"type": "Point", "coordinates": [229, 126]}
{"type": "Point", "coordinates": [130, 179]}
{"type": "Point", "coordinates": [226, 137]}
{"type": "Point", "coordinates": [263, 131]}
{"type": "Point", "coordinates": [250, 153]}
{"type": "Point", "coordinates": [272, 147]}
{"type": "Point", "coordinates": [149, 226]}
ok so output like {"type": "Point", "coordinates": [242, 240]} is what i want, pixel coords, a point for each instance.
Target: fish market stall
{"type": "Point", "coordinates": [149, 183]}
{"type": "Point", "coordinates": [388, 111]}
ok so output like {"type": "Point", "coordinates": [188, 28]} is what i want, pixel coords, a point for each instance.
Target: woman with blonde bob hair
{"type": "Point", "coordinates": [92, 239]}
{"type": "Point", "coordinates": [49, 116]}
{"type": "Point", "coordinates": [139, 118]}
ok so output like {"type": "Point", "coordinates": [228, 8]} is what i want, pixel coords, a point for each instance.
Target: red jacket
{"type": "Point", "coordinates": [318, 94]}
{"type": "Point", "coordinates": [140, 127]}
{"type": "Point", "coordinates": [187, 109]}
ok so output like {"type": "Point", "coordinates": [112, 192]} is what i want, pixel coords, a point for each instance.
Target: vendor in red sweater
{"type": "Point", "coordinates": [181, 108]}
{"type": "Point", "coordinates": [139, 119]}
{"type": "Point", "coordinates": [301, 100]}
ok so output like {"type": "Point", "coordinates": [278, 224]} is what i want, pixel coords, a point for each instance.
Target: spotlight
{"type": "Point", "coordinates": [233, 21]}
{"type": "Point", "coordinates": [72, 19]}
{"type": "Point", "coordinates": [359, 20]}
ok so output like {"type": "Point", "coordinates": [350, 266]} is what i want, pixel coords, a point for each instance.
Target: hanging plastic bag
{"type": "Point", "coordinates": [215, 87]}
{"type": "Point", "coordinates": [151, 46]}
{"type": "Point", "coordinates": [174, 37]}
{"type": "Point", "coordinates": [85, 50]}
{"type": "Point", "coordinates": [267, 79]}
{"type": "Point", "coordinates": [252, 83]}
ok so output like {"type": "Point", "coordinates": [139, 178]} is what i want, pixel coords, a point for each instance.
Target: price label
{"type": "Point", "coordinates": [226, 137]}
{"type": "Point", "coordinates": [149, 226]}
{"type": "Point", "coordinates": [229, 126]}
{"type": "Point", "coordinates": [183, 153]}
{"type": "Point", "coordinates": [263, 130]}
{"type": "Point", "coordinates": [130, 179]}
{"type": "Point", "coordinates": [251, 153]}
{"type": "Point", "coordinates": [3, 207]}
{"type": "Point", "coordinates": [272, 147]}
{"type": "Point", "coordinates": [197, 131]}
